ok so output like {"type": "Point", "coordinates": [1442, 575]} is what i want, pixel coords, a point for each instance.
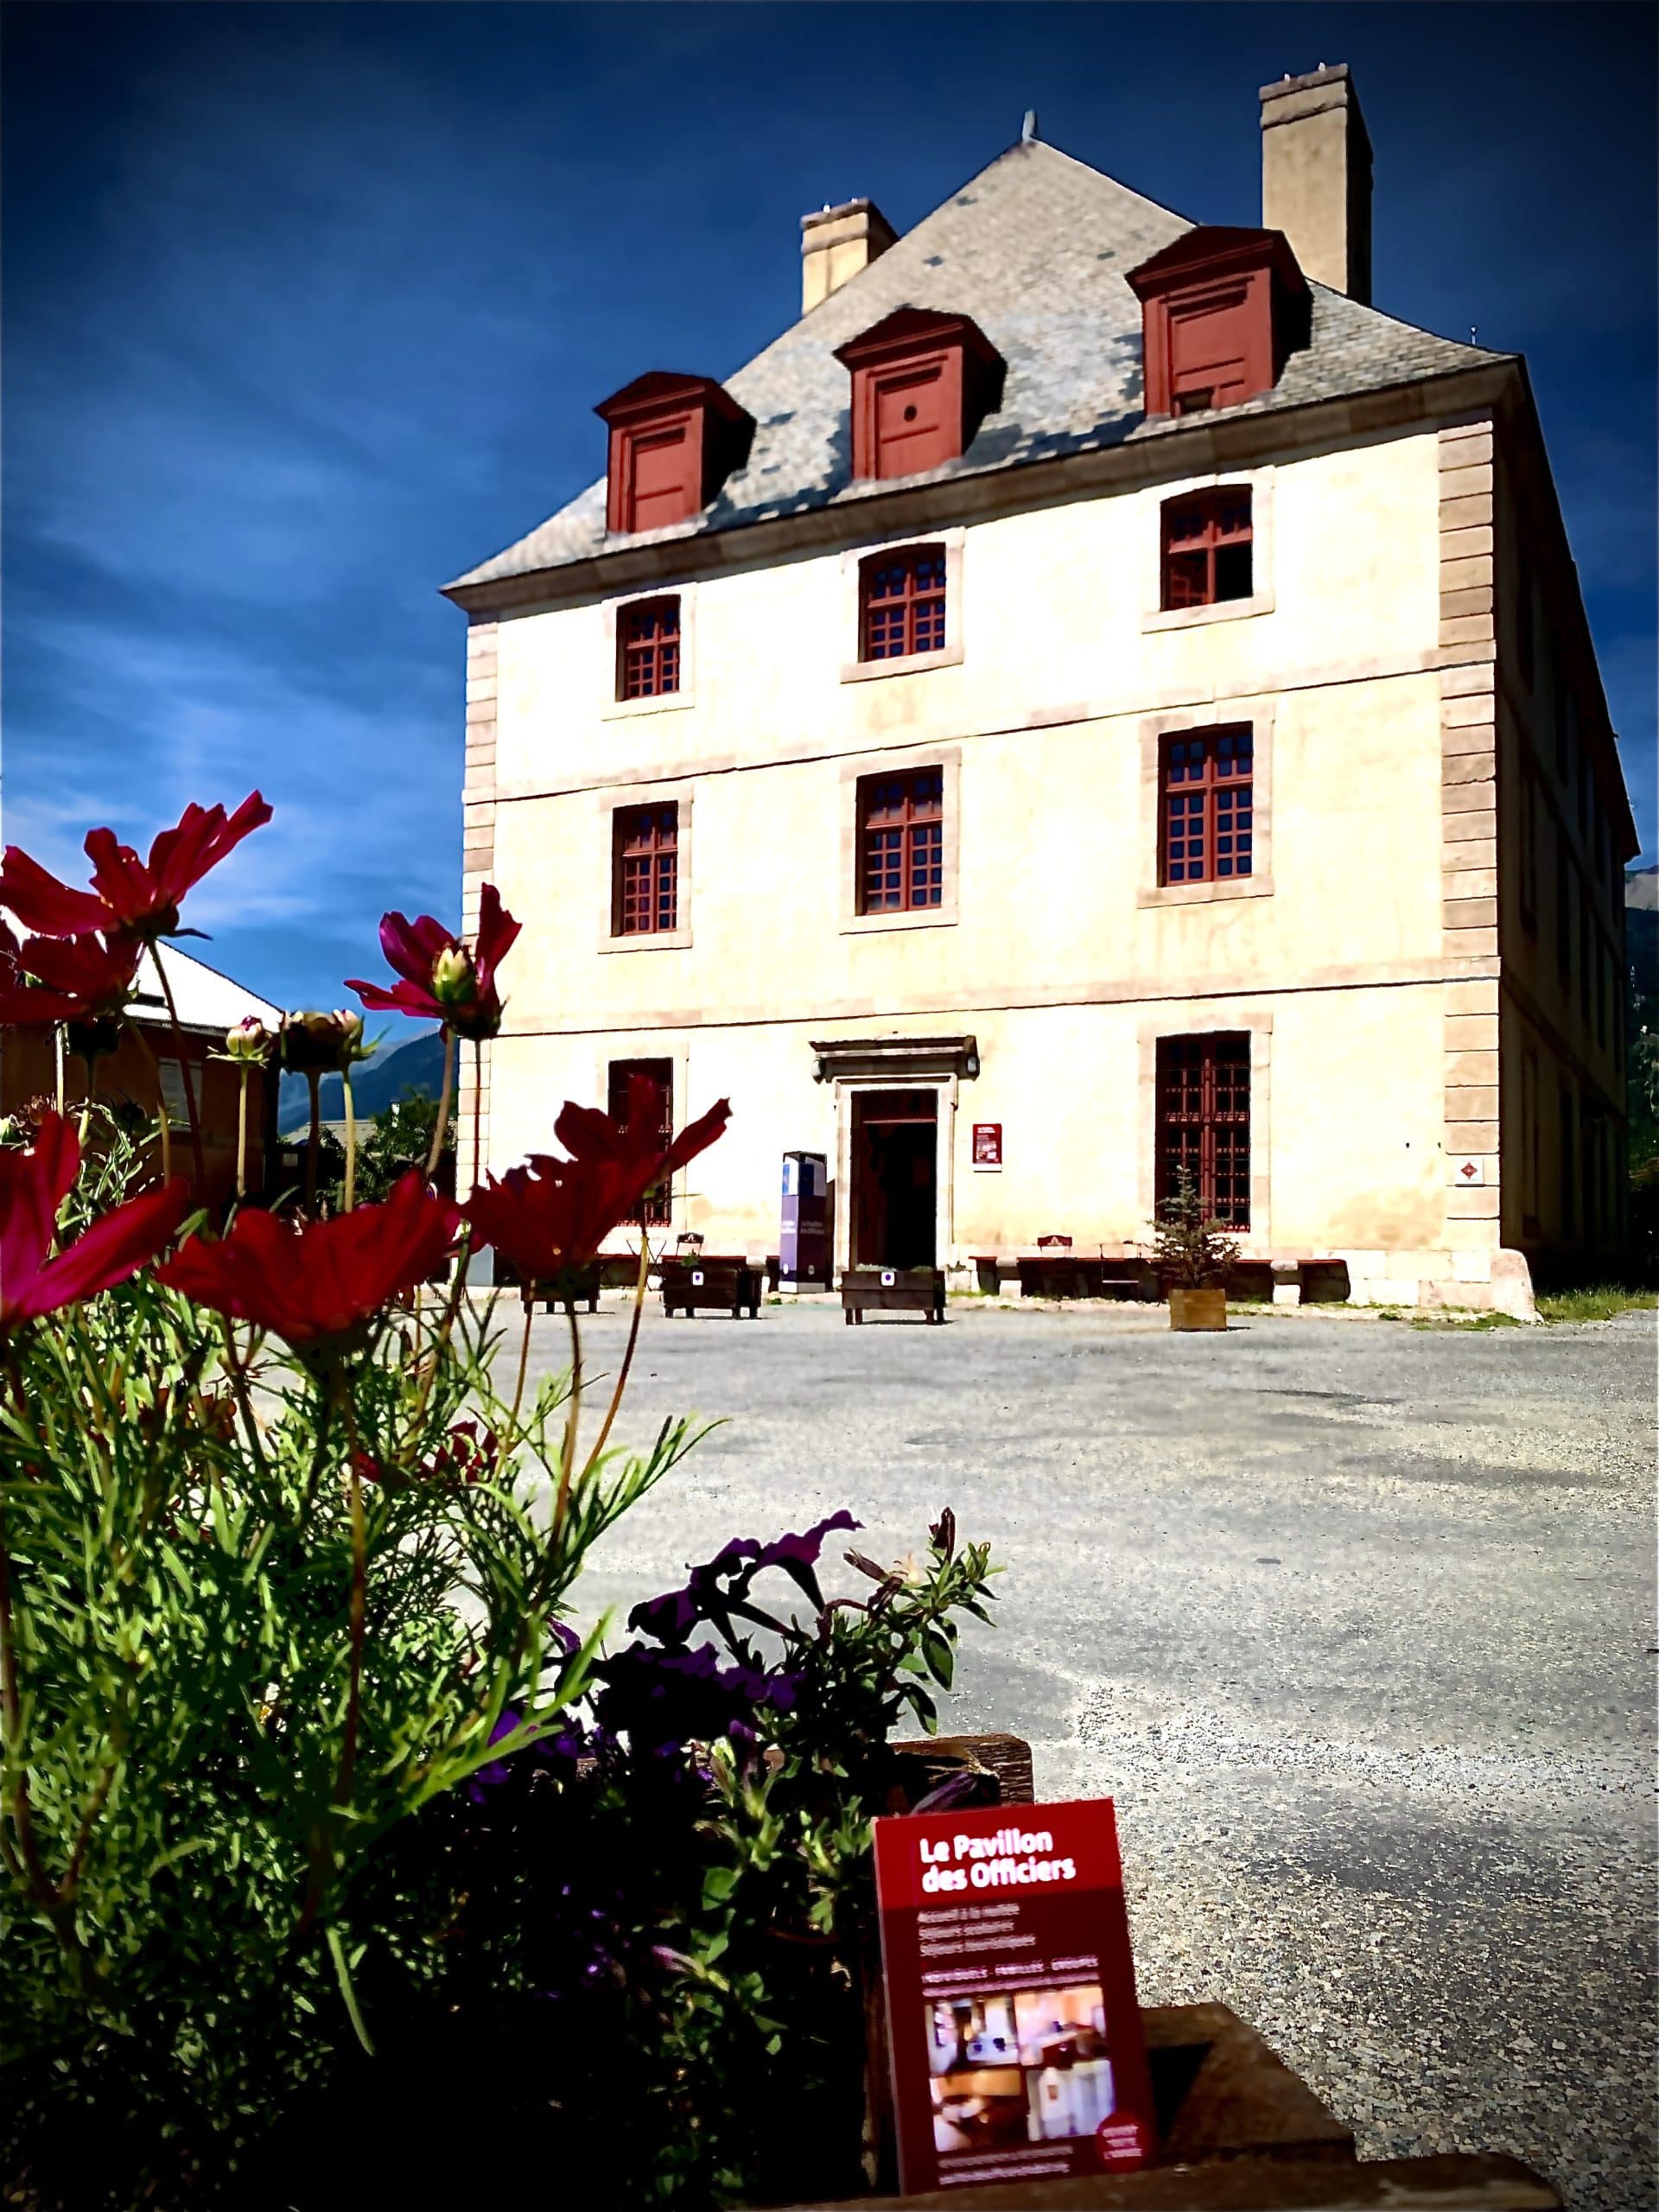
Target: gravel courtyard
{"type": "Point", "coordinates": [1354, 1620]}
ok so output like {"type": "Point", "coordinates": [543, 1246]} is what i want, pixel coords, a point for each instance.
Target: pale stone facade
{"type": "Point", "coordinates": [1375, 957]}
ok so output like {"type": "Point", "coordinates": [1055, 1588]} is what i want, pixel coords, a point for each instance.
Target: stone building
{"type": "Point", "coordinates": [1095, 699]}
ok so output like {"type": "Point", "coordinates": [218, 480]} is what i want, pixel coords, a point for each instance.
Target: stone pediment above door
{"type": "Point", "coordinates": [896, 1059]}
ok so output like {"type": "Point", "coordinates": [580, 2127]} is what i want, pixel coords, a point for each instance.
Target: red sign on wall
{"type": "Point", "coordinates": [1015, 2037]}
{"type": "Point", "coordinates": [988, 1144]}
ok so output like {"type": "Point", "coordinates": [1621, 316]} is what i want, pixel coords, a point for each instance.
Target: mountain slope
{"type": "Point", "coordinates": [376, 1084]}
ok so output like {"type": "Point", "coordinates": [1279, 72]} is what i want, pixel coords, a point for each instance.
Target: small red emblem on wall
{"type": "Point", "coordinates": [988, 1144]}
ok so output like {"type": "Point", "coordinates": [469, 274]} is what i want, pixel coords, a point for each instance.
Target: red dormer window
{"type": "Point", "coordinates": [674, 441]}
{"type": "Point", "coordinates": [922, 385]}
{"type": "Point", "coordinates": [1221, 311]}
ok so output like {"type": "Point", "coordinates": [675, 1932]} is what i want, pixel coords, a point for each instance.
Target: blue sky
{"type": "Point", "coordinates": [306, 310]}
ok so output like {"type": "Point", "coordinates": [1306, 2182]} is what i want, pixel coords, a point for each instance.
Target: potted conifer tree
{"type": "Point", "coordinates": [1194, 1255]}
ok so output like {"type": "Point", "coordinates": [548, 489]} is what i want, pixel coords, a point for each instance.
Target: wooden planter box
{"type": "Point", "coordinates": [1456, 2183]}
{"type": "Point", "coordinates": [1198, 1309]}
{"type": "Point", "coordinates": [720, 1283]}
{"type": "Point", "coordinates": [576, 1286]}
{"type": "Point", "coordinates": [892, 1290]}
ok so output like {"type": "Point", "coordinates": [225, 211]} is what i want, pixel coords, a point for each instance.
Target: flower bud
{"type": "Point", "coordinates": [315, 1043]}
{"type": "Point", "coordinates": [454, 980]}
{"type": "Point", "coordinates": [249, 1041]}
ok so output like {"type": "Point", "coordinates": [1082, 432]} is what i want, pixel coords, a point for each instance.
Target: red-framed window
{"type": "Point", "coordinates": [1207, 548]}
{"type": "Point", "coordinates": [645, 870]}
{"type": "Point", "coordinates": [1205, 811]}
{"type": "Point", "coordinates": [1203, 1122]}
{"type": "Point", "coordinates": [648, 649]}
{"type": "Point", "coordinates": [901, 842]}
{"type": "Point", "coordinates": [901, 603]}
{"type": "Point", "coordinates": [661, 1072]}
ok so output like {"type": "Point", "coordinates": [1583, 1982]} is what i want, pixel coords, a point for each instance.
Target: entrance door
{"type": "Point", "coordinates": [895, 1174]}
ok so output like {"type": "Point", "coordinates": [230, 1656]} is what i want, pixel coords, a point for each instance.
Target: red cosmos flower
{"type": "Point", "coordinates": [33, 1185]}
{"type": "Point", "coordinates": [130, 898]}
{"type": "Point", "coordinates": [65, 979]}
{"type": "Point", "coordinates": [555, 1214]}
{"type": "Point", "coordinates": [322, 1281]}
{"type": "Point", "coordinates": [442, 980]}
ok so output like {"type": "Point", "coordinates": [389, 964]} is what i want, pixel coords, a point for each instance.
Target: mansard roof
{"type": "Point", "coordinates": [1036, 249]}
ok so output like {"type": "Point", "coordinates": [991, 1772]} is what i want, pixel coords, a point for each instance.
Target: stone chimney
{"type": "Point", "coordinates": [1316, 177]}
{"type": "Point", "coordinates": [836, 244]}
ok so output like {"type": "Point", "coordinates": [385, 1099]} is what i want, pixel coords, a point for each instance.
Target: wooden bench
{"type": "Point", "coordinates": [723, 1283]}
{"type": "Point", "coordinates": [1101, 1274]}
{"type": "Point", "coordinates": [892, 1290]}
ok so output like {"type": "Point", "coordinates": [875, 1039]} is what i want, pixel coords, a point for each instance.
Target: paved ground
{"type": "Point", "coordinates": [1354, 1620]}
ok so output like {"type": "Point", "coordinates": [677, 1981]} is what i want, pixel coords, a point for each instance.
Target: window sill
{"type": "Point", "coordinates": [1221, 610]}
{"type": "Point", "coordinates": [648, 941]}
{"type": "Point", "coordinates": [1204, 895]}
{"type": "Point", "coordinates": [664, 703]}
{"type": "Point", "coordinates": [916, 917]}
{"type": "Point", "coordinates": [861, 671]}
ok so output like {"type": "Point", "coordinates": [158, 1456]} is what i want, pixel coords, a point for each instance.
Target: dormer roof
{"type": "Point", "coordinates": [1035, 251]}
{"type": "Point", "coordinates": [1217, 247]}
{"type": "Point", "coordinates": [667, 388]}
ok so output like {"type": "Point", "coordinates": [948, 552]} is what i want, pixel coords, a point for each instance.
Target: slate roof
{"type": "Point", "coordinates": [1035, 249]}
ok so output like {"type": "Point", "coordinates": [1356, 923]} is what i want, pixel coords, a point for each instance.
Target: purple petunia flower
{"type": "Point", "coordinates": [667, 1699]}
{"type": "Point", "coordinates": [719, 1591]}
{"type": "Point", "coordinates": [564, 1749]}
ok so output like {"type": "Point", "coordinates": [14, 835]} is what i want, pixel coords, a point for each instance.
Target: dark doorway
{"type": "Point", "coordinates": [657, 1206]}
{"type": "Point", "coordinates": [895, 1172]}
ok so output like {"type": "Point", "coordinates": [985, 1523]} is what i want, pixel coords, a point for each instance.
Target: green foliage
{"type": "Point", "coordinates": [398, 1138]}
{"type": "Point", "coordinates": [1191, 1249]}
{"type": "Point", "coordinates": [678, 1950]}
{"type": "Point", "coordinates": [1594, 1302]}
{"type": "Point", "coordinates": [1468, 1323]}
{"type": "Point", "coordinates": [260, 1613]}
{"type": "Point", "coordinates": [387, 1146]}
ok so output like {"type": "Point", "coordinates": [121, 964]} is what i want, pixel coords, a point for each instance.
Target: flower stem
{"type": "Point", "coordinates": [191, 1095]}
{"type": "Point", "coordinates": [161, 1100]}
{"type": "Point", "coordinates": [627, 1356]}
{"type": "Point", "coordinates": [446, 1092]}
{"type": "Point", "coordinates": [524, 1361]}
{"type": "Point", "coordinates": [314, 1141]}
{"type": "Point", "coordinates": [239, 1387]}
{"type": "Point", "coordinates": [87, 1095]}
{"type": "Point", "coordinates": [478, 1107]}
{"type": "Point", "coordinates": [446, 1329]}
{"type": "Point", "coordinates": [358, 1605]}
{"type": "Point", "coordinates": [242, 1137]}
{"type": "Point", "coordinates": [351, 1137]}
{"type": "Point", "coordinates": [568, 1459]}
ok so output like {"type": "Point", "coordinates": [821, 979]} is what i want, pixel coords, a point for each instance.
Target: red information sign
{"type": "Point", "coordinates": [988, 1144]}
{"type": "Point", "coordinates": [1016, 2043]}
